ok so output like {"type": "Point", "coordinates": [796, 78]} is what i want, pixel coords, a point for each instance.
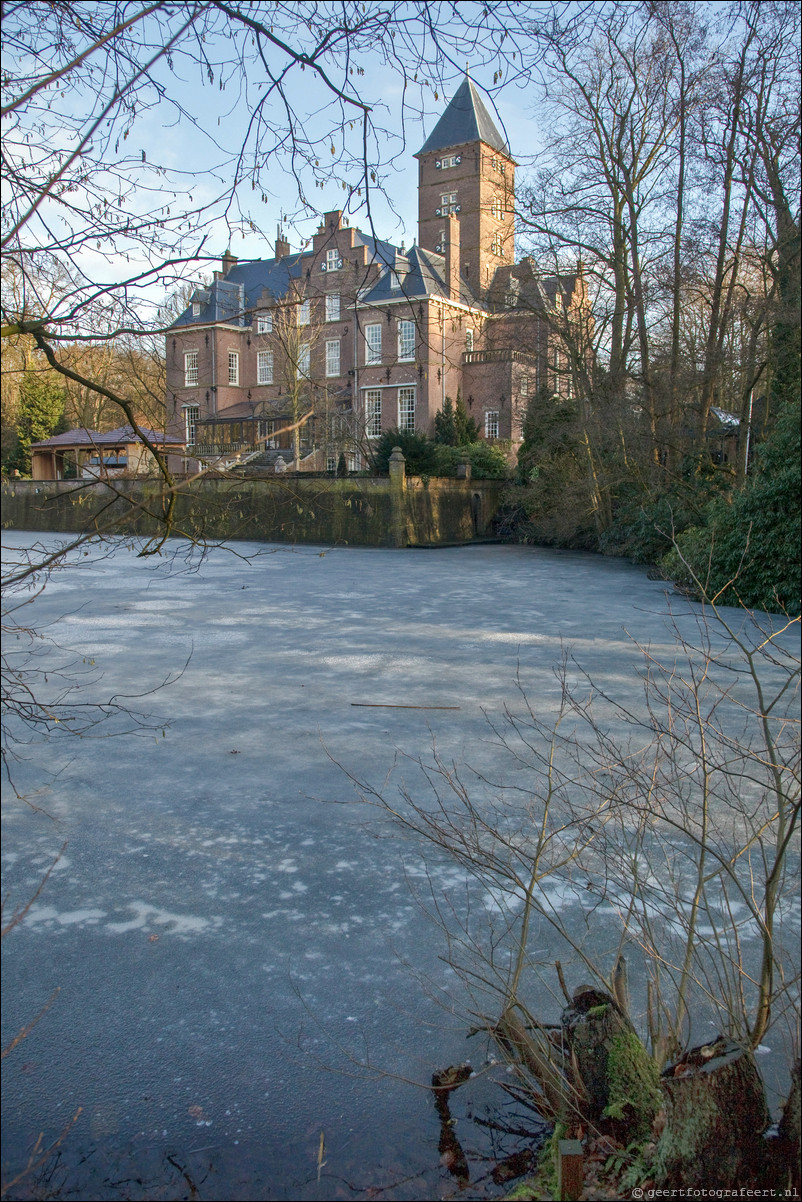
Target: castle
{"type": "Point", "coordinates": [312, 354]}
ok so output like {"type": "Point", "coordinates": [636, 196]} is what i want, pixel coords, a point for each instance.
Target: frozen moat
{"type": "Point", "coordinates": [241, 964]}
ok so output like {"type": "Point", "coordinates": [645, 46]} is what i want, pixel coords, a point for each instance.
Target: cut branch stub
{"type": "Point", "coordinates": [716, 1115]}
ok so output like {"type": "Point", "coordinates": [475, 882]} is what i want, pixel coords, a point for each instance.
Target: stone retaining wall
{"type": "Point", "coordinates": [358, 511]}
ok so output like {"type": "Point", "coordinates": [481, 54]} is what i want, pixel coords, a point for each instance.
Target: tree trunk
{"type": "Point", "coordinates": [716, 1114]}
{"type": "Point", "coordinates": [610, 1067]}
{"type": "Point", "coordinates": [785, 1148]}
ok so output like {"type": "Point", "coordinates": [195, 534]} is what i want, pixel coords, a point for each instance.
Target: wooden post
{"type": "Point", "coordinates": [570, 1170]}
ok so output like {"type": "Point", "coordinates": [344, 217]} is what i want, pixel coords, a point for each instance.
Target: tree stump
{"type": "Point", "coordinates": [786, 1159]}
{"type": "Point", "coordinates": [451, 1154]}
{"type": "Point", "coordinates": [716, 1114]}
{"type": "Point", "coordinates": [610, 1068]}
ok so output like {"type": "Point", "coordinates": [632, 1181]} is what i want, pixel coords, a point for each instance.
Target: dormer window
{"type": "Point", "coordinates": [196, 308]}
{"type": "Point", "coordinates": [395, 282]}
{"type": "Point", "coordinates": [264, 323]}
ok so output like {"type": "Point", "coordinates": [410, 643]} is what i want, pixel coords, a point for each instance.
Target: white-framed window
{"type": "Point", "coordinates": [373, 344]}
{"type": "Point", "coordinates": [498, 165]}
{"type": "Point", "coordinates": [469, 340]}
{"type": "Point", "coordinates": [333, 260]}
{"type": "Point", "coordinates": [491, 423]}
{"type": "Point", "coordinates": [233, 367]}
{"type": "Point", "coordinates": [406, 340]}
{"type": "Point", "coordinates": [303, 313]}
{"type": "Point", "coordinates": [495, 208]}
{"type": "Point", "coordinates": [524, 385]}
{"type": "Point", "coordinates": [190, 368]}
{"type": "Point", "coordinates": [303, 360]}
{"type": "Point", "coordinates": [191, 417]}
{"type": "Point", "coordinates": [395, 282]}
{"type": "Point", "coordinates": [331, 463]}
{"type": "Point", "coordinates": [451, 160]}
{"type": "Point", "coordinates": [333, 306]}
{"type": "Point", "coordinates": [264, 323]}
{"type": "Point", "coordinates": [333, 357]}
{"type": "Point", "coordinates": [406, 409]}
{"type": "Point", "coordinates": [264, 367]}
{"type": "Point", "coordinates": [497, 246]}
{"type": "Point", "coordinates": [558, 301]}
{"type": "Point", "coordinates": [448, 203]}
{"type": "Point", "coordinates": [196, 308]}
{"type": "Point", "coordinates": [373, 412]}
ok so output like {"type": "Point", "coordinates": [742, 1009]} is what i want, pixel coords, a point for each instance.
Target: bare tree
{"type": "Point", "coordinates": [657, 173]}
{"type": "Point", "coordinates": [659, 835]}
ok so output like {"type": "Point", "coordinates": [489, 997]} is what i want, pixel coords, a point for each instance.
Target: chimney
{"type": "Point", "coordinates": [282, 245]}
{"type": "Point", "coordinates": [452, 250]}
{"type": "Point", "coordinates": [229, 261]}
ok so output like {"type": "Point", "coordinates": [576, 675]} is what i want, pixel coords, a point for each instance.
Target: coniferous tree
{"type": "Point", "coordinates": [41, 414]}
{"type": "Point", "coordinates": [748, 552]}
{"type": "Point", "coordinates": [467, 430]}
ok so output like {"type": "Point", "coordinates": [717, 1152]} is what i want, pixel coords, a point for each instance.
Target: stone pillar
{"type": "Point", "coordinates": [398, 509]}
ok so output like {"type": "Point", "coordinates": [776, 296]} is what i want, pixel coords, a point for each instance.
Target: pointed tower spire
{"type": "Point", "coordinates": [465, 120]}
{"type": "Point", "coordinates": [466, 170]}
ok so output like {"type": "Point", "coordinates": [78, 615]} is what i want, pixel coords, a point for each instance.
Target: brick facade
{"type": "Point", "coordinates": [367, 336]}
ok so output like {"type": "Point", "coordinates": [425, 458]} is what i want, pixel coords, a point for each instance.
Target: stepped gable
{"type": "Point", "coordinates": [465, 120]}
{"type": "Point", "coordinates": [248, 283]}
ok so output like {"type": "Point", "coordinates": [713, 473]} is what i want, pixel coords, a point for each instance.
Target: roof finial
{"type": "Point", "coordinates": [468, 69]}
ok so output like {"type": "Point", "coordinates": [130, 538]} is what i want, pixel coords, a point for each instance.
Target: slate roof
{"type": "Point", "coordinates": [520, 285]}
{"type": "Point", "coordinates": [421, 273]}
{"type": "Point", "coordinates": [233, 298]}
{"type": "Point", "coordinates": [465, 120]}
{"type": "Point", "coordinates": [93, 438]}
{"type": "Point", "coordinates": [728, 420]}
{"type": "Point", "coordinates": [278, 407]}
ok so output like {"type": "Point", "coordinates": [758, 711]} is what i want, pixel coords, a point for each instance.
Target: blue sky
{"type": "Point", "coordinates": [156, 184]}
{"type": "Point", "coordinates": [394, 208]}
